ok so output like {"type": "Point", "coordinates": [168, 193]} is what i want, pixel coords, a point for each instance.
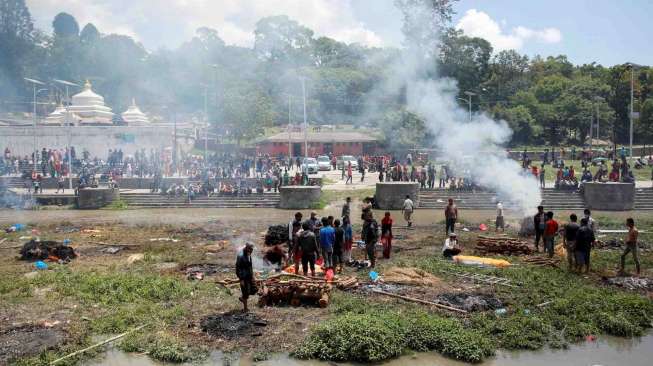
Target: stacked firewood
{"type": "Point", "coordinates": [542, 261]}
{"type": "Point", "coordinates": [502, 245]}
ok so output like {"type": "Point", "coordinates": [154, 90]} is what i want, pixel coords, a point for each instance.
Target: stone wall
{"type": "Point", "coordinates": [97, 140]}
{"type": "Point", "coordinates": [391, 195]}
{"type": "Point", "coordinates": [299, 197]}
{"type": "Point", "coordinates": [94, 198]}
{"type": "Point", "coordinates": [609, 196]}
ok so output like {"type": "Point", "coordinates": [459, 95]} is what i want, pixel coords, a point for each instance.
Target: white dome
{"type": "Point", "coordinates": [87, 96]}
{"type": "Point", "coordinates": [134, 116]}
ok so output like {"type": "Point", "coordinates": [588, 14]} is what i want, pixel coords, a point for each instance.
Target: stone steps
{"type": "Point", "coordinates": [150, 200]}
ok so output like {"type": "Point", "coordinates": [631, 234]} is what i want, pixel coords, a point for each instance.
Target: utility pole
{"type": "Point", "coordinates": [289, 132]}
{"type": "Point", "coordinates": [469, 103]}
{"type": "Point", "coordinates": [34, 83]}
{"type": "Point", "coordinates": [70, 163]}
{"type": "Point", "coordinates": [305, 122]}
{"type": "Point", "coordinates": [206, 123]}
{"type": "Point", "coordinates": [632, 103]}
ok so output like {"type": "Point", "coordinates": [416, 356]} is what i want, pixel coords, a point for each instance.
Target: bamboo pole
{"type": "Point", "coordinates": [97, 344]}
{"type": "Point", "coordinates": [412, 299]}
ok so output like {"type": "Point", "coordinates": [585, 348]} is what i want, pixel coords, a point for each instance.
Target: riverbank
{"type": "Point", "coordinates": [145, 281]}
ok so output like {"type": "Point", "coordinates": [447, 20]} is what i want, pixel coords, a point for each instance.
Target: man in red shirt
{"type": "Point", "coordinates": [550, 232]}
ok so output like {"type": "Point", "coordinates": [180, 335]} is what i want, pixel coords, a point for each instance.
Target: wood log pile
{"type": "Point", "coordinates": [295, 290]}
{"type": "Point", "coordinates": [502, 245]}
{"type": "Point", "coordinates": [542, 261]}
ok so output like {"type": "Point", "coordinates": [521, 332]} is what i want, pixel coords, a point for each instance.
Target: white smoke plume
{"type": "Point", "coordinates": [475, 147]}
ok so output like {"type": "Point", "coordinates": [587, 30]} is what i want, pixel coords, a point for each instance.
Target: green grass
{"type": "Point", "coordinates": [118, 205]}
{"type": "Point", "coordinates": [365, 332]}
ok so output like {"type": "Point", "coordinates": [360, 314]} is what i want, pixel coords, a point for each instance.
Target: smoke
{"type": "Point", "coordinates": [473, 148]}
{"type": "Point", "coordinates": [238, 243]}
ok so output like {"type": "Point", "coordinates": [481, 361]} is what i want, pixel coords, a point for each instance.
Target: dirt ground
{"type": "Point", "coordinates": [168, 242]}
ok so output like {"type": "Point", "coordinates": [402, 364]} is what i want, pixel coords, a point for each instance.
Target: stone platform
{"type": "Point", "coordinates": [94, 198]}
{"type": "Point", "coordinates": [299, 197]}
{"type": "Point", "coordinates": [609, 196]}
{"type": "Point", "coordinates": [391, 195]}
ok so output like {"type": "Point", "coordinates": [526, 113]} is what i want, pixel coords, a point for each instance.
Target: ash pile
{"type": "Point", "coordinates": [470, 302]}
{"type": "Point", "coordinates": [631, 283]}
{"type": "Point", "coordinates": [233, 325]}
{"type": "Point", "coordinates": [39, 250]}
{"type": "Point", "coordinates": [277, 234]}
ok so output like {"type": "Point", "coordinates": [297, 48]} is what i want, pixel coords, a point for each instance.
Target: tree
{"type": "Point", "coordinates": [65, 25]}
{"type": "Point", "coordinates": [247, 110]}
{"type": "Point", "coordinates": [278, 39]}
{"type": "Point", "coordinates": [423, 22]}
{"type": "Point", "coordinates": [464, 59]}
{"type": "Point", "coordinates": [89, 34]}
{"type": "Point", "coordinates": [404, 130]}
{"type": "Point", "coordinates": [16, 37]}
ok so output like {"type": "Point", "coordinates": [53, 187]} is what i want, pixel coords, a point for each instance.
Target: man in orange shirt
{"type": "Point", "coordinates": [550, 232]}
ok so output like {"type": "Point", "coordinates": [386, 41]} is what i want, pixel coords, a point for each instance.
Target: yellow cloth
{"type": "Point", "coordinates": [470, 259]}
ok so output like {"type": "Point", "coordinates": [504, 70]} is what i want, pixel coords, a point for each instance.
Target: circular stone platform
{"type": "Point", "coordinates": [391, 195]}
{"type": "Point", "coordinates": [299, 197]}
{"type": "Point", "coordinates": [93, 198]}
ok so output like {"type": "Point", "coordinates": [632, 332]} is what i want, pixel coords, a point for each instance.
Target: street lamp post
{"type": "Point", "coordinates": [305, 122]}
{"type": "Point", "coordinates": [289, 133]}
{"type": "Point", "coordinates": [632, 67]}
{"type": "Point", "coordinates": [469, 103]}
{"type": "Point", "coordinates": [34, 83]}
{"type": "Point", "coordinates": [70, 161]}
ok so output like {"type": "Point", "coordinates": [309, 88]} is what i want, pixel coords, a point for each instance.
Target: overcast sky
{"type": "Point", "coordinates": [607, 31]}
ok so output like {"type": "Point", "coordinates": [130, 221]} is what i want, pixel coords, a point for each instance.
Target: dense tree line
{"type": "Point", "coordinates": [544, 100]}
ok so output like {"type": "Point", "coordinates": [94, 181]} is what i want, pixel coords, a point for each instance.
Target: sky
{"type": "Point", "coordinates": [604, 31]}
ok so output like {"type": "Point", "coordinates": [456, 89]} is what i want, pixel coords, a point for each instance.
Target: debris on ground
{"type": "Point", "coordinates": [91, 231]}
{"type": "Point", "coordinates": [28, 340]}
{"type": "Point", "coordinates": [470, 302]}
{"type": "Point", "coordinates": [359, 264]}
{"type": "Point", "coordinates": [421, 301]}
{"type": "Point", "coordinates": [201, 270]}
{"type": "Point", "coordinates": [165, 239]}
{"type": "Point", "coordinates": [39, 250]}
{"type": "Point", "coordinates": [277, 234]}
{"type": "Point", "coordinates": [67, 229]}
{"type": "Point", "coordinates": [501, 245]}
{"type": "Point", "coordinates": [409, 276]}
{"type": "Point", "coordinates": [234, 324]}
{"type": "Point", "coordinates": [14, 228]}
{"type": "Point", "coordinates": [212, 232]}
{"type": "Point", "coordinates": [542, 261]}
{"type": "Point", "coordinates": [112, 250]}
{"type": "Point", "coordinates": [135, 258]}
{"type": "Point", "coordinates": [631, 283]}
{"type": "Point", "coordinates": [480, 261]}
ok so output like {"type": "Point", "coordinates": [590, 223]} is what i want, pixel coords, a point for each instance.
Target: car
{"type": "Point", "coordinates": [323, 162]}
{"type": "Point", "coordinates": [344, 160]}
{"type": "Point", "coordinates": [309, 165]}
{"type": "Point", "coordinates": [599, 161]}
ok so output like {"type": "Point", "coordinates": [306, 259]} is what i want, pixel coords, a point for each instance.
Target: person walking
{"type": "Point", "coordinates": [569, 240]}
{"type": "Point", "coordinates": [542, 177]}
{"type": "Point", "coordinates": [539, 221]}
{"type": "Point", "coordinates": [407, 210]}
{"type": "Point", "coordinates": [550, 232]}
{"type": "Point", "coordinates": [350, 176]}
{"type": "Point", "coordinates": [450, 216]}
{"type": "Point", "coordinates": [583, 246]}
{"type": "Point", "coordinates": [631, 246]}
{"type": "Point", "coordinates": [386, 235]}
{"type": "Point", "coordinates": [245, 274]}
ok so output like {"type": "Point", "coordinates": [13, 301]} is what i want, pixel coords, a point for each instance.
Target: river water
{"type": "Point", "coordinates": [607, 351]}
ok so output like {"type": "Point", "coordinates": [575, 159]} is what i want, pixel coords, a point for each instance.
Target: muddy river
{"type": "Point", "coordinates": [607, 351]}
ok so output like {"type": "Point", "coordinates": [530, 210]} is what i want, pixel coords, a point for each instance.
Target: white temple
{"type": "Point", "coordinates": [134, 117]}
{"type": "Point", "coordinates": [87, 108]}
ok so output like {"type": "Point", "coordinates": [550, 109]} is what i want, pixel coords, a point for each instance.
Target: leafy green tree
{"type": "Point", "coordinates": [464, 59]}
{"type": "Point", "coordinates": [16, 43]}
{"type": "Point", "coordinates": [89, 34]}
{"type": "Point", "coordinates": [247, 111]}
{"type": "Point", "coordinates": [65, 25]}
{"type": "Point", "coordinates": [278, 39]}
{"type": "Point", "coordinates": [404, 130]}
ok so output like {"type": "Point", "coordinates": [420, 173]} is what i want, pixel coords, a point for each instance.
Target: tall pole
{"type": "Point", "coordinates": [70, 162]}
{"type": "Point", "coordinates": [632, 100]}
{"type": "Point", "coordinates": [36, 149]}
{"type": "Point", "coordinates": [470, 106]}
{"type": "Point", "coordinates": [598, 136]}
{"type": "Point", "coordinates": [289, 132]}
{"type": "Point", "coordinates": [206, 123]}
{"type": "Point", "coordinates": [305, 123]}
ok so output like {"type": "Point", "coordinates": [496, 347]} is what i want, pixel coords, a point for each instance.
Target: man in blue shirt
{"type": "Point", "coordinates": [327, 239]}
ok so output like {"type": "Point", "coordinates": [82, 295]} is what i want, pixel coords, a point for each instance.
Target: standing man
{"type": "Point", "coordinates": [294, 228]}
{"type": "Point", "coordinates": [631, 246]}
{"type": "Point", "coordinates": [584, 240]}
{"type": "Point", "coordinates": [550, 232]}
{"type": "Point", "coordinates": [499, 223]}
{"type": "Point", "coordinates": [450, 215]}
{"type": "Point", "coordinates": [327, 239]}
{"type": "Point", "coordinates": [591, 223]}
{"type": "Point", "coordinates": [245, 274]}
{"type": "Point", "coordinates": [309, 253]}
{"type": "Point", "coordinates": [407, 210]}
{"type": "Point", "coordinates": [569, 240]}
{"type": "Point", "coordinates": [370, 235]}
{"type": "Point", "coordinates": [350, 176]}
{"type": "Point", "coordinates": [539, 221]}
{"type": "Point", "coordinates": [346, 208]}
